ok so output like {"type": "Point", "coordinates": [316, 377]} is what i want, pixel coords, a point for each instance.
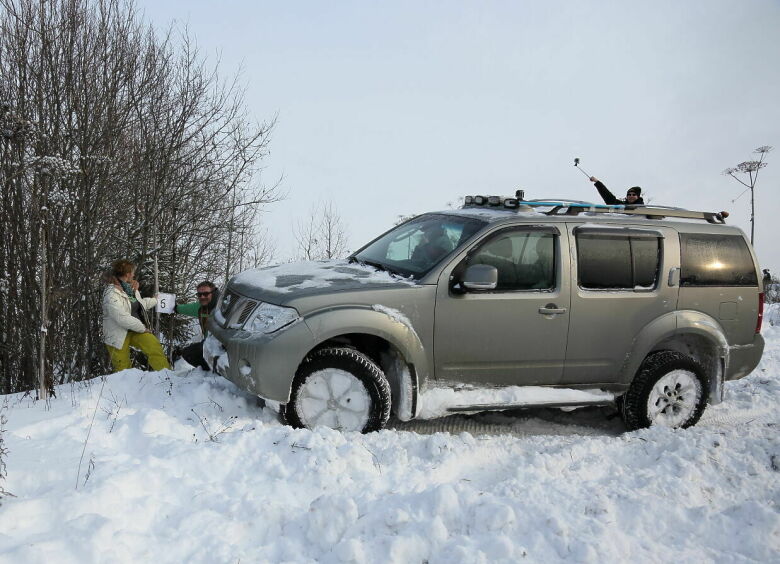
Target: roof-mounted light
{"type": "Point", "coordinates": [480, 200]}
{"type": "Point", "coordinates": [494, 200]}
{"type": "Point", "coordinates": [511, 203]}
{"type": "Point", "coordinates": [468, 200]}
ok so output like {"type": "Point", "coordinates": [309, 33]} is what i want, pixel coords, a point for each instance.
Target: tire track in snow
{"type": "Point", "coordinates": [586, 422]}
{"type": "Point", "coordinates": [454, 425]}
{"type": "Point", "coordinates": [735, 417]}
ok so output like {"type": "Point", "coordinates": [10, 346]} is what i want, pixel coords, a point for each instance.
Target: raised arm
{"type": "Point", "coordinates": [608, 197]}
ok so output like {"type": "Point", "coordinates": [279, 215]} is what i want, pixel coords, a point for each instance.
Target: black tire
{"type": "Point", "coordinates": [359, 366]}
{"type": "Point", "coordinates": [657, 365]}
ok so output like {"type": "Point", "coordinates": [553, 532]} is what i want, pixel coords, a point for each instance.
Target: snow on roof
{"type": "Point", "coordinates": [492, 213]}
{"type": "Point", "coordinates": [309, 274]}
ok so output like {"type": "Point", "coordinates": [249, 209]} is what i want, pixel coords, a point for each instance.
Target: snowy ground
{"type": "Point", "coordinates": [190, 470]}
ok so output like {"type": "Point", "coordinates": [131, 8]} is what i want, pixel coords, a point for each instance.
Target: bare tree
{"type": "Point", "coordinates": [262, 253]}
{"type": "Point", "coordinates": [751, 169]}
{"type": "Point", "coordinates": [3, 451]}
{"type": "Point", "coordinates": [306, 235]}
{"type": "Point", "coordinates": [333, 233]}
{"type": "Point", "coordinates": [115, 141]}
{"type": "Point", "coordinates": [321, 234]}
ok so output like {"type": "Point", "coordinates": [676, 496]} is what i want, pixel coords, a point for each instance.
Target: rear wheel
{"type": "Point", "coordinates": [668, 390]}
{"type": "Point", "coordinates": [340, 388]}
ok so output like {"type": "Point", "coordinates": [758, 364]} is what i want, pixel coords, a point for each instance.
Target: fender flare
{"type": "Point", "coordinates": [333, 322]}
{"type": "Point", "coordinates": [676, 324]}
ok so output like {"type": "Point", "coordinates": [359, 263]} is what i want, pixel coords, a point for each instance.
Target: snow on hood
{"type": "Point", "coordinates": [319, 275]}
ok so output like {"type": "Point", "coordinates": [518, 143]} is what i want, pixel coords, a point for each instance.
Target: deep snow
{"type": "Point", "coordinates": [189, 469]}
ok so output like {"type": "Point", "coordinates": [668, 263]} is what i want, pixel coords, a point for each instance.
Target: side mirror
{"type": "Point", "coordinates": [480, 277]}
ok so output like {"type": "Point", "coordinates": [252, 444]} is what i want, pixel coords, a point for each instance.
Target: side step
{"type": "Point", "coordinates": [504, 407]}
{"type": "Point", "coordinates": [459, 398]}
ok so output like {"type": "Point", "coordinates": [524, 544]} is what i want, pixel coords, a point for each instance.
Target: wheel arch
{"type": "Point", "coordinates": [691, 333]}
{"type": "Point", "coordinates": [391, 343]}
{"type": "Point", "coordinates": [327, 384]}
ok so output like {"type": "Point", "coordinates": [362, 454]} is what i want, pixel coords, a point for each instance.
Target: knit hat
{"type": "Point", "coordinates": [636, 190]}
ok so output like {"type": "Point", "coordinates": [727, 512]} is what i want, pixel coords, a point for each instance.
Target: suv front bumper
{"type": "Point", "coordinates": [263, 363]}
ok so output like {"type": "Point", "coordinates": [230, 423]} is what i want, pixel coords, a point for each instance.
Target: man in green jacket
{"type": "Point", "coordinates": [208, 296]}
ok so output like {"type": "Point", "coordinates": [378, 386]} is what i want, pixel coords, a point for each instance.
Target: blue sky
{"type": "Point", "coordinates": [399, 108]}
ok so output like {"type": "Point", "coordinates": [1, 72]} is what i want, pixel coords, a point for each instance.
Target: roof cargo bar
{"type": "Point", "coordinates": [650, 212]}
{"type": "Point", "coordinates": [569, 207]}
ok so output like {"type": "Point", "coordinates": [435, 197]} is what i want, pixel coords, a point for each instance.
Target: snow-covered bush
{"type": "Point", "coordinates": [772, 314]}
{"type": "Point", "coordinates": [115, 142]}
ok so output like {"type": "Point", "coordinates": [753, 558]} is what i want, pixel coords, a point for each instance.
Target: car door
{"type": "Point", "coordinates": [621, 283]}
{"type": "Point", "coordinates": [516, 333]}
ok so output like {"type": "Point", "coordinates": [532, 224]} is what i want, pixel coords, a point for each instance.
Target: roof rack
{"type": "Point", "coordinates": [650, 212]}
{"type": "Point", "coordinates": [573, 207]}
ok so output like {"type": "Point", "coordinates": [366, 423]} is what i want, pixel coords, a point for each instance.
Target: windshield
{"type": "Point", "coordinates": [415, 247]}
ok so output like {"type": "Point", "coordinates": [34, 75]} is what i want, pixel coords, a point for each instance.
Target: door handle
{"type": "Point", "coordinates": [552, 309]}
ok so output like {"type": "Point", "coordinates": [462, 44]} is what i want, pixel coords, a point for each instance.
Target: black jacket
{"type": "Point", "coordinates": [611, 200]}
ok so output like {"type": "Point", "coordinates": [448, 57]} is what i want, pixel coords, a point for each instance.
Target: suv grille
{"type": "Point", "coordinates": [246, 312]}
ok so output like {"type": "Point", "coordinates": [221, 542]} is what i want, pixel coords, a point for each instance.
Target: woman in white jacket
{"type": "Point", "coordinates": [124, 312]}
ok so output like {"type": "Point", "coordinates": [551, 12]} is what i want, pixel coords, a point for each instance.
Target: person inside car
{"type": "Point", "coordinates": [433, 245]}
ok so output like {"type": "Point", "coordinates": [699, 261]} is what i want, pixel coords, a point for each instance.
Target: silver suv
{"type": "Point", "coordinates": [501, 304]}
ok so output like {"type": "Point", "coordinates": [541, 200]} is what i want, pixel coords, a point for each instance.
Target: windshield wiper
{"type": "Point", "coordinates": [377, 265]}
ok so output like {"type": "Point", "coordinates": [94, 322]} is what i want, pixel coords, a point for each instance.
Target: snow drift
{"type": "Point", "coordinates": [189, 469]}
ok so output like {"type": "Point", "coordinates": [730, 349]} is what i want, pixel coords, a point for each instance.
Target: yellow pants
{"type": "Point", "coordinates": [149, 345]}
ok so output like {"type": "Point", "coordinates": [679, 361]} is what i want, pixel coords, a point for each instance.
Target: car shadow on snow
{"type": "Point", "coordinates": [531, 421]}
{"type": "Point", "coordinates": [586, 421]}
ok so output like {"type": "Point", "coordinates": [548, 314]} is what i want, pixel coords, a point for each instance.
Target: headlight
{"type": "Point", "coordinates": [268, 318]}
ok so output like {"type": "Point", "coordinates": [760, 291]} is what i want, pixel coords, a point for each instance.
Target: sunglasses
{"type": "Point", "coordinates": [203, 294]}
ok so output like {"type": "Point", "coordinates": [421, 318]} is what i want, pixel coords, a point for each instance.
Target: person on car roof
{"type": "Point", "coordinates": [633, 195]}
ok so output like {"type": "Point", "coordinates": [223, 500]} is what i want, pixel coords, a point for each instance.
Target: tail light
{"type": "Point", "coordinates": [760, 312]}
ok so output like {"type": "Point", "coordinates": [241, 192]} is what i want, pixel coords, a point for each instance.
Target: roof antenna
{"type": "Point", "coordinates": [577, 165]}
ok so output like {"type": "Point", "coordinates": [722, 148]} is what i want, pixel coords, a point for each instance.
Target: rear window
{"type": "Point", "coordinates": [617, 262]}
{"type": "Point", "coordinates": [716, 260]}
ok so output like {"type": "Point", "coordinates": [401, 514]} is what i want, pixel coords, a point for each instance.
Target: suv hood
{"type": "Point", "coordinates": [285, 282]}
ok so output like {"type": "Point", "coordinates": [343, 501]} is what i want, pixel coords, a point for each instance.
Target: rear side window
{"type": "Point", "coordinates": [617, 262]}
{"type": "Point", "coordinates": [716, 260]}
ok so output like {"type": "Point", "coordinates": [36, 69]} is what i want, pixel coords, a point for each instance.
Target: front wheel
{"type": "Point", "coordinates": [668, 390]}
{"type": "Point", "coordinates": [340, 388]}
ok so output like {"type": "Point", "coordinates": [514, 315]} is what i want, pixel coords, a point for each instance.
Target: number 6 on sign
{"type": "Point", "coordinates": [166, 303]}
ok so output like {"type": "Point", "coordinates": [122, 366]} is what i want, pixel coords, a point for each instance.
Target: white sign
{"type": "Point", "coordinates": [166, 303]}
